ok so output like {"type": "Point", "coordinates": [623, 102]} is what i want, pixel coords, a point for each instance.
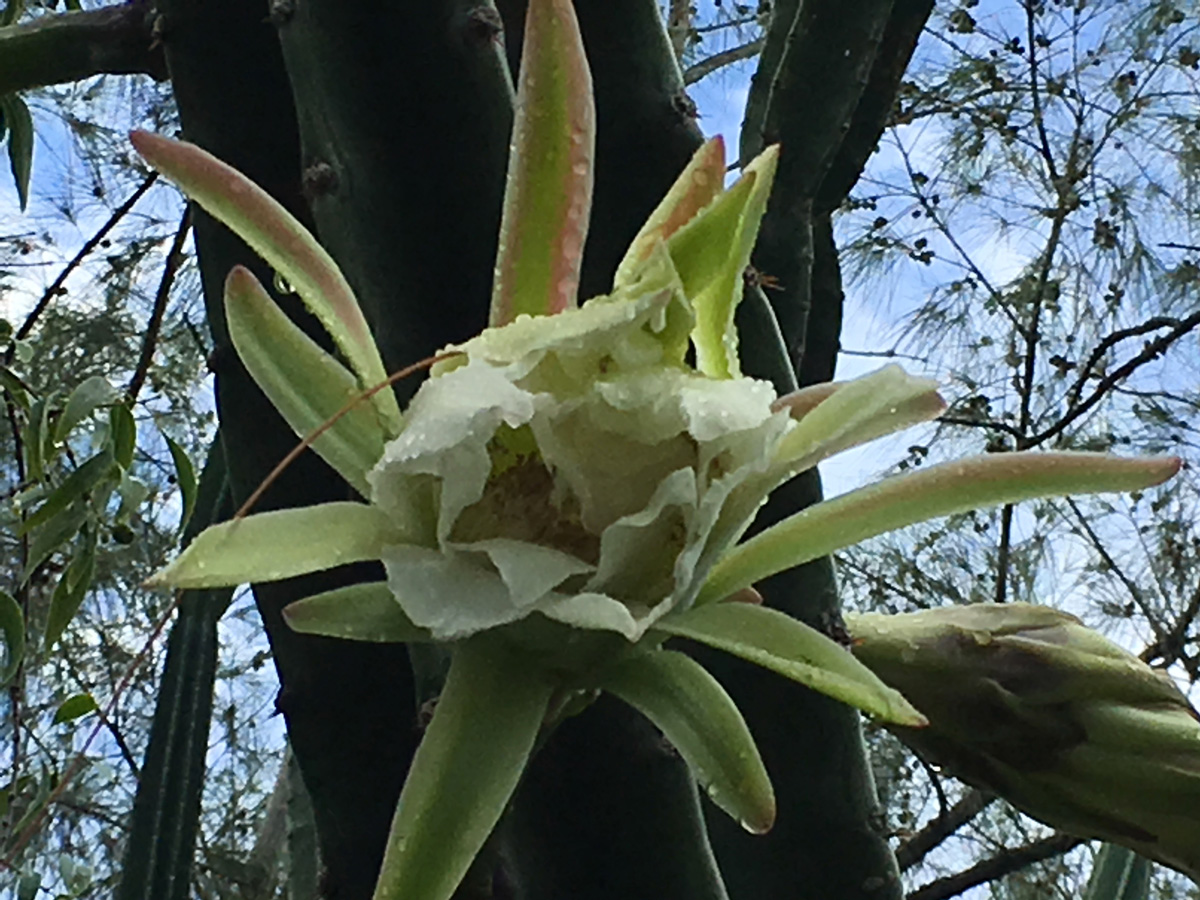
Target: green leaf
{"type": "Point", "coordinates": [29, 885]}
{"type": "Point", "coordinates": [12, 624]}
{"type": "Point", "coordinates": [122, 431]}
{"type": "Point", "coordinates": [466, 768]}
{"type": "Point", "coordinates": [14, 387]}
{"type": "Point", "coordinates": [940, 490]}
{"type": "Point", "coordinates": [73, 488]}
{"type": "Point", "coordinates": [782, 644]}
{"type": "Point", "coordinates": [695, 188]}
{"type": "Point", "coordinates": [280, 544]}
{"type": "Point", "coordinates": [695, 714]}
{"type": "Point", "coordinates": [275, 234]}
{"type": "Point", "coordinates": [185, 477]}
{"type": "Point", "coordinates": [1118, 874]}
{"type": "Point", "coordinates": [74, 707]}
{"type": "Point", "coordinates": [306, 384]}
{"type": "Point", "coordinates": [20, 143]}
{"type": "Point", "coordinates": [548, 194]}
{"type": "Point", "coordinates": [37, 436]}
{"type": "Point", "coordinates": [359, 612]}
{"type": "Point", "coordinates": [88, 396]}
{"type": "Point", "coordinates": [46, 540]}
{"type": "Point", "coordinates": [68, 594]}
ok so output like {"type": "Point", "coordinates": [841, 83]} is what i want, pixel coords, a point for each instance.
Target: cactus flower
{"type": "Point", "coordinates": [1027, 702]}
{"type": "Point", "coordinates": [568, 490]}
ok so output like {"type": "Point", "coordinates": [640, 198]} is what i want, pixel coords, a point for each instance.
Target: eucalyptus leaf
{"type": "Point", "coordinates": [695, 714]}
{"type": "Point", "coordinates": [12, 624]}
{"type": "Point", "coordinates": [37, 436]}
{"type": "Point", "coordinates": [940, 490]}
{"type": "Point", "coordinates": [74, 487]}
{"type": "Point", "coordinates": [14, 388]}
{"type": "Point", "coordinates": [279, 544]}
{"type": "Point", "coordinates": [74, 707]}
{"type": "Point", "coordinates": [68, 594]}
{"type": "Point", "coordinates": [548, 193]}
{"type": "Point", "coordinates": [61, 527]}
{"type": "Point", "coordinates": [307, 385]}
{"type": "Point", "coordinates": [88, 396]}
{"type": "Point", "coordinates": [778, 642]}
{"type": "Point", "coordinates": [263, 223]}
{"type": "Point", "coordinates": [464, 771]}
{"type": "Point", "coordinates": [358, 612]}
{"type": "Point", "coordinates": [20, 143]}
{"type": "Point", "coordinates": [122, 430]}
{"type": "Point", "coordinates": [185, 477]}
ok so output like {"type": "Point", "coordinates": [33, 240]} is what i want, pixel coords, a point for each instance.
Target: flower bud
{"type": "Point", "coordinates": [1027, 702]}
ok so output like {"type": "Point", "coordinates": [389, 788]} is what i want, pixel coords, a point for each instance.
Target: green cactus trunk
{"type": "Point", "coordinates": [386, 127]}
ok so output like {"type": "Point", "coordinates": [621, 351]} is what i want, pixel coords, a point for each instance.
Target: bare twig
{"type": "Point", "coordinates": [154, 325]}
{"type": "Point", "coordinates": [118, 214]}
{"type": "Point", "coordinates": [1151, 351]}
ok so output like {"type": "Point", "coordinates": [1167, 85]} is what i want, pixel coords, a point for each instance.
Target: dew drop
{"type": "Point", "coordinates": [282, 285]}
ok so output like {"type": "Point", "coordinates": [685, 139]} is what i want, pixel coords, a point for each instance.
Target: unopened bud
{"type": "Point", "coordinates": [1027, 702]}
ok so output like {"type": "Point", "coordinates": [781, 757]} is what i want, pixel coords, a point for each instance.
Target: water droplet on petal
{"type": "Point", "coordinates": [282, 285]}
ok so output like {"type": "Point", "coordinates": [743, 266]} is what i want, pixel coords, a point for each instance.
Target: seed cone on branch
{"type": "Point", "coordinates": [1026, 701]}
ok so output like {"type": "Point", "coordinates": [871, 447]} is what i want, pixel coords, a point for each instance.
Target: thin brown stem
{"type": "Point", "coordinates": [154, 325]}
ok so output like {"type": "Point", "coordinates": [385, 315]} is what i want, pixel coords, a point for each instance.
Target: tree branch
{"type": "Point", "coordinates": [1152, 350]}
{"type": "Point", "coordinates": [1004, 863]}
{"type": "Point", "coordinates": [707, 66]}
{"type": "Point", "coordinates": [917, 847]}
{"type": "Point", "coordinates": [115, 40]}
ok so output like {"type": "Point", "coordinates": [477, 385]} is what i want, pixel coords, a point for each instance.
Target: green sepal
{"type": "Point", "coordinates": [548, 192]}
{"type": "Point", "coordinates": [359, 612]}
{"type": "Point", "coordinates": [464, 771]}
{"type": "Point", "coordinates": [701, 720]}
{"type": "Point", "coordinates": [775, 641]}
{"type": "Point", "coordinates": [715, 336]}
{"type": "Point", "coordinates": [307, 385]}
{"type": "Point", "coordinates": [940, 490]}
{"type": "Point", "coordinates": [291, 250]}
{"type": "Point", "coordinates": [695, 188]}
{"type": "Point", "coordinates": [279, 544]}
{"type": "Point", "coordinates": [835, 417]}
